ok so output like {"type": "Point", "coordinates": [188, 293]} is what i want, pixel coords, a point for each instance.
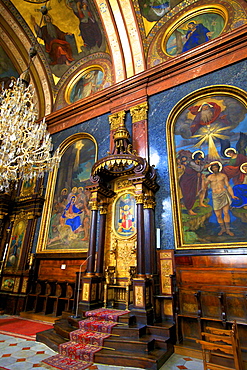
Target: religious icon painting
{"type": "Point", "coordinates": [8, 284]}
{"type": "Point", "coordinates": [15, 244]}
{"type": "Point", "coordinates": [194, 28]}
{"type": "Point", "coordinates": [84, 84]}
{"type": "Point", "coordinates": [28, 187]}
{"type": "Point", "coordinates": [67, 208]}
{"type": "Point", "coordinates": [208, 134]}
{"type": "Point", "coordinates": [125, 215]}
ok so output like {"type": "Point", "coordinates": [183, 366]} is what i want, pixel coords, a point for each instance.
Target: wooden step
{"type": "Point", "coordinates": [135, 345]}
{"type": "Point", "coordinates": [152, 360]}
{"type": "Point", "coordinates": [50, 338]}
{"type": "Point", "coordinates": [162, 329]}
{"type": "Point", "coordinates": [143, 344]}
{"type": "Point", "coordinates": [63, 328]}
{"type": "Point", "coordinates": [127, 344]}
{"type": "Point", "coordinates": [36, 316]}
{"type": "Point", "coordinates": [159, 341]}
{"type": "Point", "coordinates": [133, 331]}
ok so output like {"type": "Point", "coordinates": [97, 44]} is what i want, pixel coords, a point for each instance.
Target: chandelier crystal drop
{"type": "Point", "coordinates": [25, 144]}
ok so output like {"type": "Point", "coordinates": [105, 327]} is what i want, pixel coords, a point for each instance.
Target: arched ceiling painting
{"type": "Point", "coordinates": [85, 46]}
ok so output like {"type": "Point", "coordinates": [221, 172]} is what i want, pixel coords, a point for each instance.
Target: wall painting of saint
{"type": "Point", "coordinates": [125, 215]}
{"type": "Point", "coordinates": [87, 83]}
{"type": "Point", "coordinates": [190, 32]}
{"type": "Point", "coordinates": [15, 245]}
{"type": "Point", "coordinates": [68, 208]}
{"type": "Point", "coordinates": [210, 157]}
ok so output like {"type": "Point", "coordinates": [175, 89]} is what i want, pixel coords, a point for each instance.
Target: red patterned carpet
{"type": "Point", "coordinates": [22, 328]}
{"type": "Point", "coordinates": [78, 353]}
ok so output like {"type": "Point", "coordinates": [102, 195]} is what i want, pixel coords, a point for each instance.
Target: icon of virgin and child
{"type": "Point", "coordinates": [71, 217]}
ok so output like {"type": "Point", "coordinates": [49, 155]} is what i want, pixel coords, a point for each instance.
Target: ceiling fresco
{"type": "Point", "coordinates": [85, 46]}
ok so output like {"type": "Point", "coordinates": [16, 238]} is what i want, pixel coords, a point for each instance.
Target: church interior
{"type": "Point", "coordinates": [123, 187]}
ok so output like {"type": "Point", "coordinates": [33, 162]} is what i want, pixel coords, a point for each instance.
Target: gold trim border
{"type": "Point", "coordinates": [191, 99]}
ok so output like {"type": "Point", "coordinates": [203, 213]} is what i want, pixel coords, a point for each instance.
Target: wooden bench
{"type": "Point", "coordinates": [221, 349]}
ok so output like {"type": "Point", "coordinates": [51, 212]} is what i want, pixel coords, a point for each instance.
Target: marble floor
{"type": "Point", "coordinates": [23, 354]}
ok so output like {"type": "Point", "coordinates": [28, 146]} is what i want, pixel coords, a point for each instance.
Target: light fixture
{"type": "Point", "coordinates": [25, 144]}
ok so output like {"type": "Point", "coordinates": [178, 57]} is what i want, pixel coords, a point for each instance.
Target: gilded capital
{"type": "Point", "coordinates": [117, 119]}
{"type": "Point", "coordinates": [139, 198]}
{"type": "Point", "coordinates": [93, 205]}
{"type": "Point", "coordinates": [139, 112]}
{"type": "Point", "coordinates": [103, 209]}
{"type": "Point", "coordinates": [149, 202]}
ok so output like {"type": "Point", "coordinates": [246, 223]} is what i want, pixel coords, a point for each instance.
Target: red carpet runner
{"type": "Point", "coordinates": [22, 328]}
{"type": "Point", "coordinates": [78, 353]}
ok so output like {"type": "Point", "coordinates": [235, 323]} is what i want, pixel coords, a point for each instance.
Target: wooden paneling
{"type": "Point", "coordinates": [51, 270]}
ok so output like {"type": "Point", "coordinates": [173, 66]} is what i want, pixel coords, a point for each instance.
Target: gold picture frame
{"type": "Point", "coordinates": [189, 138]}
{"type": "Point", "coordinates": [68, 230]}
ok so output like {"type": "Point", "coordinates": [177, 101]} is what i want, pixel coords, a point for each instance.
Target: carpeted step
{"type": "Point", "coordinates": [112, 341]}
{"type": "Point", "coordinates": [79, 351]}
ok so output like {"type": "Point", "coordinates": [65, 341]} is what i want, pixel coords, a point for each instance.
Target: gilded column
{"type": "Point", "coordinates": [101, 241]}
{"type": "Point", "coordinates": [115, 120]}
{"type": "Point", "coordinates": [139, 129]}
{"type": "Point", "coordinates": [92, 239]}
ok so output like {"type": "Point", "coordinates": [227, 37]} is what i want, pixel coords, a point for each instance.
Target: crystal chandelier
{"type": "Point", "coordinates": [25, 144]}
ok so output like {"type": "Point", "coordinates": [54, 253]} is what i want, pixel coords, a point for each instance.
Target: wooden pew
{"type": "Point", "coordinates": [221, 349]}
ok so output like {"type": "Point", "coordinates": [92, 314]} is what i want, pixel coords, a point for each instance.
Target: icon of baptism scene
{"type": "Point", "coordinates": [210, 142]}
{"type": "Point", "coordinates": [70, 218]}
